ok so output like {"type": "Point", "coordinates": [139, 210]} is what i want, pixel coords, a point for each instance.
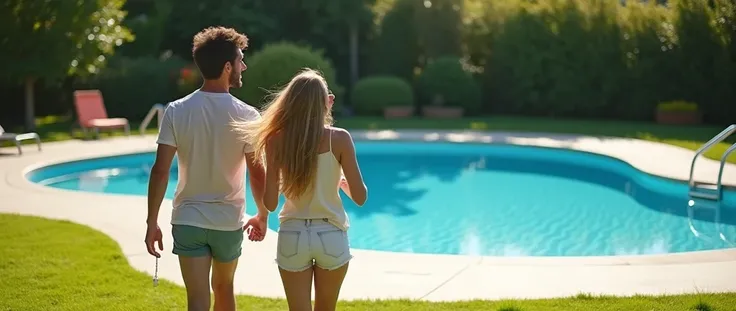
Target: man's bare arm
{"type": "Point", "coordinates": [158, 181]}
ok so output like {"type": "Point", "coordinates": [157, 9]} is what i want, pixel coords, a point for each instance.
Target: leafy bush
{"type": "Point", "coordinates": [275, 65]}
{"type": "Point", "coordinates": [446, 82]}
{"type": "Point", "coordinates": [371, 95]}
{"type": "Point", "coordinates": [131, 86]}
{"type": "Point", "coordinates": [557, 58]}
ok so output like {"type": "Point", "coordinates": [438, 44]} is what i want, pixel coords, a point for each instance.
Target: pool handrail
{"type": "Point", "coordinates": [724, 157]}
{"type": "Point", "coordinates": [156, 109]}
{"type": "Point", "coordinates": [718, 186]}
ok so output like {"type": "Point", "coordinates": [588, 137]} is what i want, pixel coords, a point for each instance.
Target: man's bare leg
{"type": "Point", "coordinates": [223, 276]}
{"type": "Point", "coordinates": [196, 272]}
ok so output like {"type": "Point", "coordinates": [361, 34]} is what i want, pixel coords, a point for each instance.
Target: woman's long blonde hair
{"type": "Point", "coordinates": [298, 114]}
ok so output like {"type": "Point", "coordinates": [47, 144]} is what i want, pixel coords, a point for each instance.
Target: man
{"type": "Point", "coordinates": [208, 208]}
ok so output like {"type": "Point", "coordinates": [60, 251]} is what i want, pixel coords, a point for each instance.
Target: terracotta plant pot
{"type": "Point", "coordinates": [398, 112]}
{"type": "Point", "coordinates": [441, 112]}
{"type": "Point", "coordinates": [678, 117]}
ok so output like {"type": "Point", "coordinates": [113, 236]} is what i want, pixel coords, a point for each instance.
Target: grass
{"type": "Point", "coordinates": [55, 128]}
{"type": "Point", "coordinates": [58, 265]}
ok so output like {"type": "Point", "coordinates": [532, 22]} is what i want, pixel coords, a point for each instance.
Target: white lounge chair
{"type": "Point", "coordinates": [17, 138]}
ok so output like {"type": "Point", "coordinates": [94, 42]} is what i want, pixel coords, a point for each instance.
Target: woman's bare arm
{"type": "Point", "coordinates": [356, 190]}
{"type": "Point", "coordinates": [271, 192]}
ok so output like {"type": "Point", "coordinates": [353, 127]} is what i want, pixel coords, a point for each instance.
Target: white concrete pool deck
{"type": "Point", "coordinates": [384, 275]}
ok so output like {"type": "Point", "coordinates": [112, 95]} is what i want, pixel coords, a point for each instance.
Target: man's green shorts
{"type": "Point", "coordinates": [223, 246]}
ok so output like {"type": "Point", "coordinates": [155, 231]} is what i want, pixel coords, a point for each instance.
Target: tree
{"type": "Point", "coordinates": [439, 27]}
{"type": "Point", "coordinates": [354, 13]}
{"type": "Point", "coordinates": [51, 39]}
{"type": "Point", "coordinates": [396, 47]}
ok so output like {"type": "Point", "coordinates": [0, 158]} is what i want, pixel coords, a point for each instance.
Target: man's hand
{"type": "Point", "coordinates": [258, 227]}
{"type": "Point", "coordinates": [153, 234]}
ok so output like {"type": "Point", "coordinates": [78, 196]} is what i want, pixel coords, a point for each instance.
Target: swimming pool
{"type": "Point", "coordinates": [483, 199]}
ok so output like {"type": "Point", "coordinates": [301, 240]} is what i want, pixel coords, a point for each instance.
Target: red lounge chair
{"type": "Point", "coordinates": [92, 114]}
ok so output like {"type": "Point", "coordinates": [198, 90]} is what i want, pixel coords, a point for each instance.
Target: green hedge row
{"type": "Point", "coordinates": [572, 58]}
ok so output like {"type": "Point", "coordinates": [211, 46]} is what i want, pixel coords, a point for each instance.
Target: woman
{"type": "Point", "coordinates": [305, 159]}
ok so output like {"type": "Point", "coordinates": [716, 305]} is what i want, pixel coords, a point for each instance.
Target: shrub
{"type": "Point", "coordinates": [372, 94]}
{"type": "Point", "coordinates": [131, 86]}
{"type": "Point", "coordinates": [275, 65]}
{"type": "Point", "coordinates": [446, 79]}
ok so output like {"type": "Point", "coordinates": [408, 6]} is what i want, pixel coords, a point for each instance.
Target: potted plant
{"type": "Point", "coordinates": [437, 109]}
{"type": "Point", "coordinates": [678, 113]}
{"type": "Point", "coordinates": [398, 112]}
{"type": "Point", "coordinates": [391, 96]}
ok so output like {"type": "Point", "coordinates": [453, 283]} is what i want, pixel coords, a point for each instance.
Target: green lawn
{"type": "Point", "coordinates": [58, 265]}
{"type": "Point", "coordinates": [690, 137]}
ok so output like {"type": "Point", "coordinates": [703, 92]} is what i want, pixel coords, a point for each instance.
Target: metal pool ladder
{"type": "Point", "coordinates": [158, 111]}
{"type": "Point", "coordinates": [710, 191]}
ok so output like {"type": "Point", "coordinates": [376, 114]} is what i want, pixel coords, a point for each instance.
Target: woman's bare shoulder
{"type": "Point", "coordinates": [273, 140]}
{"type": "Point", "coordinates": [340, 135]}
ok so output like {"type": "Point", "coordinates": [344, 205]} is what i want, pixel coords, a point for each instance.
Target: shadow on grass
{"type": "Point", "coordinates": [702, 306]}
{"type": "Point", "coordinates": [584, 296]}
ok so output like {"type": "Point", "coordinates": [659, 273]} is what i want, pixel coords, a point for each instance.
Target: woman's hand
{"type": "Point", "coordinates": [256, 228]}
{"type": "Point", "coordinates": [344, 183]}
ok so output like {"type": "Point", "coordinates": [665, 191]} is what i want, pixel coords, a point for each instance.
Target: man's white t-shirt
{"type": "Point", "coordinates": [210, 192]}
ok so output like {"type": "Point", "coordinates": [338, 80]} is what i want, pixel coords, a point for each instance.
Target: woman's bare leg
{"type": "Point", "coordinates": [298, 288]}
{"type": "Point", "coordinates": [327, 284]}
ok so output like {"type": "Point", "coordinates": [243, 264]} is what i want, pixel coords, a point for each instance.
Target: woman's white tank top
{"type": "Point", "coordinates": [324, 200]}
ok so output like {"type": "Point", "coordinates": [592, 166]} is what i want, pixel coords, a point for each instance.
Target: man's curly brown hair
{"type": "Point", "coordinates": [215, 46]}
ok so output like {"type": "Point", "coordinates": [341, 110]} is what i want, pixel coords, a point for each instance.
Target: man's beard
{"type": "Point", "coordinates": [235, 80]}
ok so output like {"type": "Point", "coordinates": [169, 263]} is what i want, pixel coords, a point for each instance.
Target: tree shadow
{"type": "Point", "coordinates": [388, 178]}
{"type": "Point", "coordinates": [394, 183]}
{"type": "Point", "coordinates": [397, 181]}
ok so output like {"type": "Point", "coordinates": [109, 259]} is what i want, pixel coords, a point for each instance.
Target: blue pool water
{"type": "Point", "coordinates": [475, 199]}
